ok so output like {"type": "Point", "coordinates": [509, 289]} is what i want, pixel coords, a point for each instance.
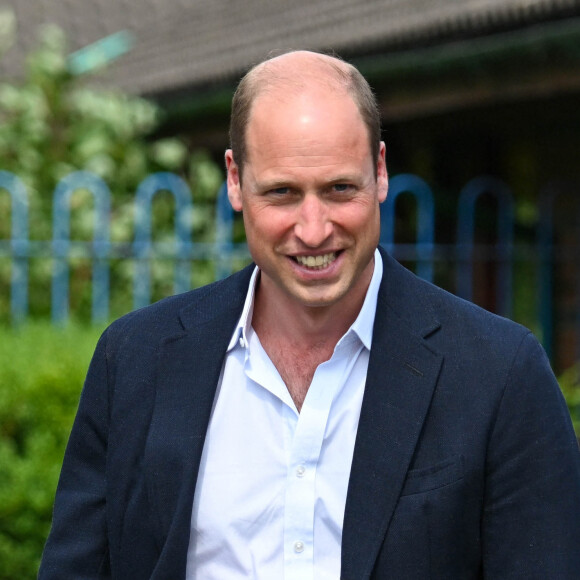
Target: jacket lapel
{"type": "Point", "coordinates": [401, 379]}
{"type": "Point", "coordinates": [188, 370]}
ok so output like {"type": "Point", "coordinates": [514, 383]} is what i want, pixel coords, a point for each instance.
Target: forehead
{"type": "Point", "coordinates": [305, 123]}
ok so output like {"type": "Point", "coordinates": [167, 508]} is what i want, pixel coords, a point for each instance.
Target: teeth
{"type": "Point", "coordinates": [317, 262]}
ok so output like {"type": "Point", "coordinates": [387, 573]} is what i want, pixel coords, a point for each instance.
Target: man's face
{"type": "Point", "coordinates": [310, 199]}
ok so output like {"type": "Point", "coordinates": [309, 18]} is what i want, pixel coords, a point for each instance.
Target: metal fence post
{"type": "Point", "coordinates": [504, 246]}
{"type": "Point", "coordinates": [61, 244]}
{"type": "Point", "coordinates": [424, 244]}
{"type": "Point", "coordinates": [142, 245]}
{"type": "Point", "coordinates": [18, 244]}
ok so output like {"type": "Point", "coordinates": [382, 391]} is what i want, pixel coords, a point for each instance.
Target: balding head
{"type": "Point", "coordinates": [294, 73]}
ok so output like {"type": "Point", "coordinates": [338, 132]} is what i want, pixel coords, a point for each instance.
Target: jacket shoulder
{"type": "Point", "coordinates": [172, 315]}
{"type": "Point", "coordinates": [433, 312]}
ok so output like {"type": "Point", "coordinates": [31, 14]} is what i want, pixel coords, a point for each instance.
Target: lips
{"type": "Point", "coordinates": [316, 262]}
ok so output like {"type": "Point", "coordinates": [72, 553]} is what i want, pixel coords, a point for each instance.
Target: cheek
{"type": "Point", "coordinates": [263, 224]}
{"type": "Point", "coordinates": [362, 219]}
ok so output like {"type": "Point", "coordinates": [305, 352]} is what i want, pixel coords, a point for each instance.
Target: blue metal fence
{"type": "Point", "coordinates": [62, 246]}
{"type": "Point", "coordinates": [504, 245]}
{"type": "Point", "coordinates": [424, 252]}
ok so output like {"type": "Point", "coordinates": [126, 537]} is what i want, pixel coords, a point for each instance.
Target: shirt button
{"type": "Point", "coordinates": [299, 547]}
{"type": "Point", "coordinates": [300, 470]}
{"type": "Point", "coordinates": [242, 342]}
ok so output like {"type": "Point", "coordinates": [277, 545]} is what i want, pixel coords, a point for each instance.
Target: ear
{"type": "Point", "coordinates": [382, 176]}
{"type": "Point", "coordinates": [233, 178]}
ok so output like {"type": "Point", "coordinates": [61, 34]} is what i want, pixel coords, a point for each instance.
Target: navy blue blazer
{"type": "Point", "coordinates": [465, 463]}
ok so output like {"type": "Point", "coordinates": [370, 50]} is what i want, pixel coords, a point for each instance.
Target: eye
{"type": "Point", "coordinates": [280, 195]}
{"type": "Point", "coordinates": [277, 191]}
{"type": "Point", "coordinates": [341, 187]}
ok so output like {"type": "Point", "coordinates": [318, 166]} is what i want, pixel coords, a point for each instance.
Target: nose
{"type": "Point", "coordinates": [313, 225]}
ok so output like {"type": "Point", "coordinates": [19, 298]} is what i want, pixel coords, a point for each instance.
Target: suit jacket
{"type": "Point", "coordinates": [465, 463]}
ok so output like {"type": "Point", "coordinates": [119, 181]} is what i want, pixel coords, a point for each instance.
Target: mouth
{"type": "Point", "coordinates": [316, 262]}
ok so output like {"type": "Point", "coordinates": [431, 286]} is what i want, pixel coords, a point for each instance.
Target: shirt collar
{"type": "Point", "coordinates": [240, 334]}
{"type": "Point", "coordinates": [362, 326]}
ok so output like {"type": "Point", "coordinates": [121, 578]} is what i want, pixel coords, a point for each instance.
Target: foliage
{"type": "Point", "coordinates": [52, 123]}
{"type": "Point", "coordinates": [570, 384]}
{"type": "Point", "coordinates": [42, 370]}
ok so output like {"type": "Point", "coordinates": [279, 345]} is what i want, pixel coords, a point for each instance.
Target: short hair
{"type": "Point", "coordinates": [254, 81]}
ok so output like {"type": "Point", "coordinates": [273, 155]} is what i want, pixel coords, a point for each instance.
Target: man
{"type": "Point", "coordinates": [324, 414]}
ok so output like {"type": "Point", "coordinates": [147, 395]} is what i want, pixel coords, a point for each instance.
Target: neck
{"type": "Point", "coordinates": [298, 338]}
{"type": "Point", "coordinates": [306, 327]}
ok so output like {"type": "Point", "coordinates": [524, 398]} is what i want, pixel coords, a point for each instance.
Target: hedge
{"type": "Point", "coordinates": [42, 369]}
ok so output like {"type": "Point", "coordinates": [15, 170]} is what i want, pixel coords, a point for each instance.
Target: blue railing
{"type": "Point", "coordinates": [424, 252]}
{"type": "Point", "coordinates": [467, 206]}
{"type": "Point", "coordinates": [62, 245]}
{"type": "Point", "coordinates": [143, 249]}
{"type": "Point", "coordinates": [423, 248]}
{"type": "Point", "coordinates": [19, 249]}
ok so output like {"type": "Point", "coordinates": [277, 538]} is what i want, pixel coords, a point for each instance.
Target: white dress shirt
{"type": "Point", "coordinates": [271, 490]}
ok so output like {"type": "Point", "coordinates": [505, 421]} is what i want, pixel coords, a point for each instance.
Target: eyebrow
{"type": "Point", "coordinates": [274, 184]}
{"type": "Point", "coordinates": [278, 183]}
{"type": "Point", "coordinates": [344, 179]}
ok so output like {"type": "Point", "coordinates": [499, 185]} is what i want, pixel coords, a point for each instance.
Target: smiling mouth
{"type": "Point", "coordinates": [316, 262]}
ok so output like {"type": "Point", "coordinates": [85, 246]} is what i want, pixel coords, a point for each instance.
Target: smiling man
{"type": "Point", "coordinates": [309, 189]}
{"type": "Point", "coordinates": [322, 414]}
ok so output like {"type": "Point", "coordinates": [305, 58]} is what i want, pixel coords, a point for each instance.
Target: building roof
{"type": "Point", "coordinates": [181, 44]}
{"type": "Point", "coordinates": [215, 41]}
{"type": "Point", "coordinates": [84, 21]}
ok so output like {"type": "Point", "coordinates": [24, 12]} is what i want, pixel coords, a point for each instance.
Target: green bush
{"type": "Point", "coordinates": [570, 384]}
{"type": "Point", "coordinates": [42, 370]}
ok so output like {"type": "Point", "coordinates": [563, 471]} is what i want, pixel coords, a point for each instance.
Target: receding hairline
{"type": "Point", "coordinates": [299, 70]}
{"type": "Point", "coordinates": [295, 73]}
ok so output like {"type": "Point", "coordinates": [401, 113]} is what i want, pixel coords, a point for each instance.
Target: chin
{"type": "Point", "coordinates": [319, 301]}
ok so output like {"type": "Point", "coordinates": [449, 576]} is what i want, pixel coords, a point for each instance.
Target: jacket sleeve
{"type": "Point", "coordinates": [77, 546]}
{"type": "Point", "coordinates": [531, 519]}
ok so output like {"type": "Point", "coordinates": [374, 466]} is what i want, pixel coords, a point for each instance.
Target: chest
{"type": "Point", "coordinates": [297, 368]}
{"type": "Point", "coordinates": [272, 480]}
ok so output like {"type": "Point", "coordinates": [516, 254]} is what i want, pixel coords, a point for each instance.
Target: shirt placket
{"type": "Point", "coordinates": [303, 460]}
